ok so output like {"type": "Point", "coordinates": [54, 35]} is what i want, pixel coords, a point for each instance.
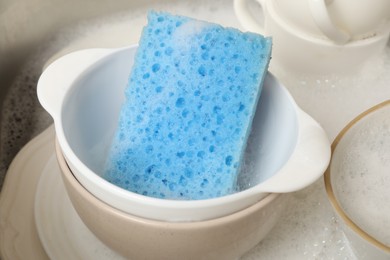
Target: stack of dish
{"type": "Point", "coordinates": [289, 151]}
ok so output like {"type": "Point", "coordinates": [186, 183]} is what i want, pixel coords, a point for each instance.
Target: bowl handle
{"type": "Point", "coordinates": [308, 161]}
{"type": "Point", "coordinates": [58, 77]}
{"type": "Point", "coordinates": [320, 14]}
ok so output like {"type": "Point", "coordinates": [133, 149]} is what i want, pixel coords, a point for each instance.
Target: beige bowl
{"type": "Point", "coordinates": [357, 182]}
{"type": "Point", "coordinates": [227, 237]}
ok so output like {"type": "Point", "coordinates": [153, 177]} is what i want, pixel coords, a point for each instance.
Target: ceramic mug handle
{"type": "Point", "coordinates": [321, 17]}
{"type": "Point", "coordinates": [246, 18]}
{"type": "Point", "coordinates": [319, 13]}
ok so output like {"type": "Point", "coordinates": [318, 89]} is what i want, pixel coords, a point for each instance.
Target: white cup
{"type": "Point", "coordinates": [360, 19]}
{"type": "Point", "coordinates": [307, 38]}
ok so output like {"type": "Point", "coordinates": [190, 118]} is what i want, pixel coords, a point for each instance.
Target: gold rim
{"type": "Point", "coordinates": [328, 185]}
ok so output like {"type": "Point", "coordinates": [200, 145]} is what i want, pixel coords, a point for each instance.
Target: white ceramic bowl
{"type": "Point", "coordinates": [83, 91]}
{"type": "Point", "coordinates": [357, 182]}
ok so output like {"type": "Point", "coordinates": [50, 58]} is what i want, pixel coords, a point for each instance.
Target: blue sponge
{"type": "Point", "coordinates": [190, 101]}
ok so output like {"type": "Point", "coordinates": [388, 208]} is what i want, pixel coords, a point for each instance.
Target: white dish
{"type": "Point", "coordinates": [62, 232]}
{"type": "Point", "coordinates": [304, 47]}
{"type": "Point", "coordinates": [18, 235]}
{"type": "Point", "coordinates": [83, 92]}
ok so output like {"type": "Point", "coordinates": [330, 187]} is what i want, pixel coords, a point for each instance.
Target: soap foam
{"type": "Point", "coordinates": [362, 176]}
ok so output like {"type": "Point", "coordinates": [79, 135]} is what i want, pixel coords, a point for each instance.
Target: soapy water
{"type": "Point", "coordinates": [362, 174]}
{"type": "Point", "coordinates": [308, 228]}
{"type": "Point", "coordinates": [335, 99]}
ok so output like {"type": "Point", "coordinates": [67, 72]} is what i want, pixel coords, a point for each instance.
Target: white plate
{"type": "Point", "coordinates": [34, 185]}
{"type": "Point", "coordinates": [18, 235]}
{"type": "Point", "coordinates": [62, 232]}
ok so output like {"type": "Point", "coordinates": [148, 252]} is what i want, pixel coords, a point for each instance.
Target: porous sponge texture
{"type": "Point", "coordinates": [190, 101]}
